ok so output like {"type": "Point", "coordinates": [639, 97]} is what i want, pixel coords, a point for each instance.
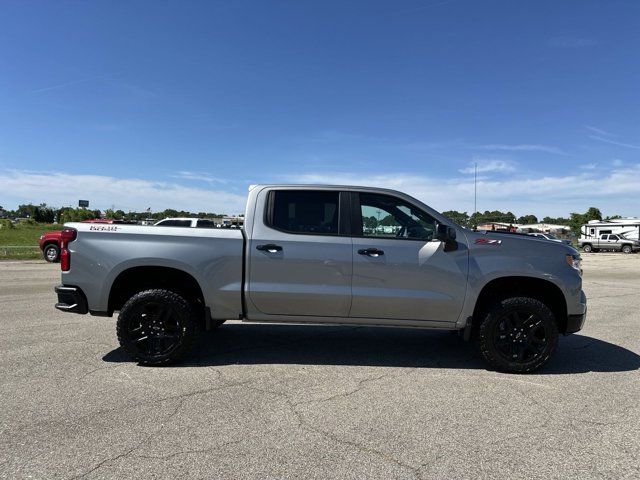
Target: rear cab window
{"type": "Point", "coordinates": [304, 211]}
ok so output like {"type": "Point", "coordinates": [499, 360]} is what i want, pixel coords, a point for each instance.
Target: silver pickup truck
{"type": "Point", "coordinates": [326, 255]}
{"type": "Point", "coordinates": [614, 242]}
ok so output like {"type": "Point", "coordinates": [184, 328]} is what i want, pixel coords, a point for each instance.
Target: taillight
{"type": "Point", "coordinates": [67, 235]}
{"type": "Point", "coordinates": [65, 259]}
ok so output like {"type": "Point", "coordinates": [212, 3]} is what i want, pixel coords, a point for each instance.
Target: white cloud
{"type": "Point", "coordinates": [589, 166]}
{"type": "Point", "coordinates": [199, 176]}
{"type": "Point", "coordinates": [65, 189]}
{"type": "Point", "coordinates": [612, 142]}
{"type": "Point", "coordinates": [542, 196]}
{"type": "Point", "coordinates": [523, 148]}
{"type": "Point", "coordinates": [487, 166]}
{"type": "Point", "coordinates": [599, 131]}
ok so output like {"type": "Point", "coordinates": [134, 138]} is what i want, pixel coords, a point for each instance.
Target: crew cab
{"type": "Point", "coordinates": [326, 255]}
{"type": "Point", "coordinates": [609, 242]}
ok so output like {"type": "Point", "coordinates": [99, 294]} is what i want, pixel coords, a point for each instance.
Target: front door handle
{"type": "Point", "coordinates": [371, 252]}
{"type": "Point", "coordinates": [269, 247]}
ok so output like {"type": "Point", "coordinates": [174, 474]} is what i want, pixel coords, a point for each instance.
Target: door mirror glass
{"type": "Point", "coordinates": [445, 233]}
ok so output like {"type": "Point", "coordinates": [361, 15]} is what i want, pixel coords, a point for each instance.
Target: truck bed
{"type": "Point", "coordinates": [213, 257]}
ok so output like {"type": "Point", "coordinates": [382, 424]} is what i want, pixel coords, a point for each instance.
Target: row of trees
{"type": "Point", "coordinates": [45, 214]}
{"type": "Point", "coordinates": [574, 221]}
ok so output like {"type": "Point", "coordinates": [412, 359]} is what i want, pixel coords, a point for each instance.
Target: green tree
{"type": "Point", "coordinates": [527, 219]}
{"type": "Point", "coordinates": [461, 218]}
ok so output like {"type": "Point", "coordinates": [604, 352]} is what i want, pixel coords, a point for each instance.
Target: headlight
{"type": "Point", "coordinates": [574, 261]}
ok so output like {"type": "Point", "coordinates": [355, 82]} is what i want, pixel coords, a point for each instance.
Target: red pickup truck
{"type": "Point", "coordinates": [49, 242]}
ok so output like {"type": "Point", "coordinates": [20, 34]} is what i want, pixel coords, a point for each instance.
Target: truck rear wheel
{"type": "Point", "coordinates": [587, 248]}
{"type": "Point", "coordinates": [517, 335]}
{"type": "Point", "coordinates": [157, 327]}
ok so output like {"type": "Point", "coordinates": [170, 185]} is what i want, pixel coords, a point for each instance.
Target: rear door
{"type": "Point", "coordinates": [300, 260]}
{"type": "Point", "coordinates": [399, 271]}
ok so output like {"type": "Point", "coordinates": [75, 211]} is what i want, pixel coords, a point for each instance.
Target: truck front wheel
{"type": "Point", "coordinates": [157, 327]}
{"type": "Point", "coordinates": [51, 253]}
{"type": "Point", "coordinates": [517, 335]}
{"type": "Point", "coordinates": [627, 249]}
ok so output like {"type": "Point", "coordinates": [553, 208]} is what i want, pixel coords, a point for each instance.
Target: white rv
{"type": "Point", "coordinates": [627, 227]}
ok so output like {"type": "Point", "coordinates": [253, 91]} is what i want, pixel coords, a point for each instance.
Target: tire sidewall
{"type": "Point", "coordinates": [587, 248]}
{"type": "Point", "coordinates": [188, 321]}
{"type": "Point", "coordinates": [55, 249]}
{"type": "Point", "coordinates": [484, 334]}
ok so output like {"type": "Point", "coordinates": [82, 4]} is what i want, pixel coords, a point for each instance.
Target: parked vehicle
{"type": "Point", "coordinates": [609, 242]}
{"type": "Point", "coordinates": [304, 256]}
{"type": "Point", "coordinates": [626, 227]}
{"type": "Point", "coordinates": [549, 236]}
{"type": "Point", "coordinates": [186, 222]}
{"type": "Point", "coordinates": [50, 241]}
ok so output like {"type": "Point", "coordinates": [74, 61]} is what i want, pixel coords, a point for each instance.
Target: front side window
{"type": "Point", "coordinates": [306, 212]}
{"type": "Point", "coordinates": [613, 237]}
{"type": "Point", "coordinates": [384, 216]}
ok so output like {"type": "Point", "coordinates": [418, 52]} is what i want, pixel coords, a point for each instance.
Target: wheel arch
{"type": "Point", "coordinates": [518, 286]}
{"type": "Point", "coordinates": [139, 278]}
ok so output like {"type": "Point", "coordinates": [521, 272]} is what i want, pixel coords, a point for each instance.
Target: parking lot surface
{"type": "Point", "coordinates": [261, 401]}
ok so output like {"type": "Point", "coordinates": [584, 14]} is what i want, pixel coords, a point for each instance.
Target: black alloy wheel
{"type": "Point", "coordinates": [516, 335]}
{"type": "Point", "coordinates": [157, 327]}
{"type": "Point", "coordinates": [520, 336]}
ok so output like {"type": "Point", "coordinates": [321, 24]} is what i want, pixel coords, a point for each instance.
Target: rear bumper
{"type": "Point", "coordinates": [71, 299]}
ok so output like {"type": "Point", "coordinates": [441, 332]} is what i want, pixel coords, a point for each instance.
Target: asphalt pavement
{"type": "Point", "coordinates": [261, 401]}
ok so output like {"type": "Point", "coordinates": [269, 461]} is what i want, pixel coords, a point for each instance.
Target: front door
{"type": "Point", "coordinates": [399, 271]}
{"type": "Point", "coordinates": [300, 257]}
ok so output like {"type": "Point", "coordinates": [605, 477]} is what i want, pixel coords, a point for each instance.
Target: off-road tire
{"type": "Point", "coordinates": [501, 348]}
{"type": "Point", "coordinates": [140, 314]}
{"type": "Point", "coordinates": [586, 248]}
{"type": "Point", "coordinates": [51, 253]}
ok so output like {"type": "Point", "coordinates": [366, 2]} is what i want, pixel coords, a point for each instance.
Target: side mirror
{"type": "Point", "coordinates": [445, 233]}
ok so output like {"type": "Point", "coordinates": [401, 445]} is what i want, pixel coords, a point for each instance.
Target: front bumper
{"type": "Point", "coordinates": [71, 299]}
{"type": "Point", "coordinates": [575, 323]}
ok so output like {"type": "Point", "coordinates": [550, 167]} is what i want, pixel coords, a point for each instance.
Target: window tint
{"type": "Point", "coordinates": [299, 211]}
{"type": "Point", "coordinates": [614, 237]}
{"type": "Point", "coordinates": [175, 223]}
{"type": "Point", "coordinates": [206, 224]}
{"type": "Point", "coordinates": [386, 216]}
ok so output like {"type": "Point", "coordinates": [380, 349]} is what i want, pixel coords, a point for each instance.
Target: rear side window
{"type": "Point", "coordinates": [175, 223]}
{"type": "Point", "coordinates": [307, 212]}
{"type": "Point", "coordinates": [206, 224]}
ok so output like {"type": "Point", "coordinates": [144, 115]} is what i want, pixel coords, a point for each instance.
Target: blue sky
{"type": "Point", "coordinates": [184, 104]}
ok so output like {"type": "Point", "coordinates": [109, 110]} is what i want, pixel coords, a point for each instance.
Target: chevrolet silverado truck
{"type": "Point", "coordinates": [326, 255]}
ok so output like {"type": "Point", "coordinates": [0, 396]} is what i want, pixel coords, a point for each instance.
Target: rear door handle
{"type": "Point", "coordinates": [269, 247]}
{"type": "Point", "coordinates": [371, 252]}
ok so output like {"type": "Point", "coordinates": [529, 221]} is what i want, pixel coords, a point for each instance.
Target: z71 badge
{"type": "Point", "coordinates": [488, 241]}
